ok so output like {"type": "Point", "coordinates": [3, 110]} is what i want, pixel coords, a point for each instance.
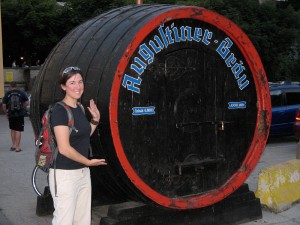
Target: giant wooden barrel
{"type": "Point", "coordinates": [184, 100]}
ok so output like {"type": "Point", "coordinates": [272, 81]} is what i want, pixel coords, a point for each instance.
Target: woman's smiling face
{"type": "Point", "coordinates": [74, 86]}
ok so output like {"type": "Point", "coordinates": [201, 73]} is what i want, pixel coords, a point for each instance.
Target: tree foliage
{"type": "Point", "coordinates": [85, 9]}
{"type": "Point", "coordinates": [274, 30]}
{"type": "Point", "coordinates": [31, 28]}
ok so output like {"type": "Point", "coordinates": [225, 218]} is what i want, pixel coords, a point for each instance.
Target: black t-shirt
{"type": "Point", "coordinates": [6, 100]}
{"type": "Point", "coordinates": [79, 140]}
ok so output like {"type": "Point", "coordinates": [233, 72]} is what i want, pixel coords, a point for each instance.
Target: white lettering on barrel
{"type": "Point", "coordinates": [170, 35]}
{"type": "Point", "coordinates": [237, 68]}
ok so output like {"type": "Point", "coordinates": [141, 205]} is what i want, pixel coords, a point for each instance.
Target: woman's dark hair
{"type": "Point", "coordinates": [68, 73]}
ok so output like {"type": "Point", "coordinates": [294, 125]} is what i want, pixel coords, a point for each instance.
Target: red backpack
{"type": "Point", "coordinates": [46, 147]}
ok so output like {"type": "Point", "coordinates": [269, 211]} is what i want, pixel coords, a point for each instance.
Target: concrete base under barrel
{"type": "Point", "coordinates": [241, 206]}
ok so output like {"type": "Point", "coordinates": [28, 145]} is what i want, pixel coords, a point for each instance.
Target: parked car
{"type": "Point", "coordinates": [297, 125]}
{"type": "Point", "coordinates": [285, 100]}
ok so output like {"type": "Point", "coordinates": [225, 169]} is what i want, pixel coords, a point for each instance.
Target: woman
{"type": "Point", "coordinates": [72, 198]}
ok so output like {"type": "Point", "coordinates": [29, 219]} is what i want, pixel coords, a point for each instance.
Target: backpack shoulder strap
{"type": "Point", "coordinates": [81, 106]}
{"type": "Point", "coordinates": [70, 116]}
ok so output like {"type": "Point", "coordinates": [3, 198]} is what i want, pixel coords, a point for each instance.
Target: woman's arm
{"type": "Point", "coordinates": [62, 137]}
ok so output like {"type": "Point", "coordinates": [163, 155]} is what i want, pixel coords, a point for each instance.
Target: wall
{"type": "Point", "coordinates": [23, 76]}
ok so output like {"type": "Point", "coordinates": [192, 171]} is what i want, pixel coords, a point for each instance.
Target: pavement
{"type": "Point", "coordinates": [18, 199]}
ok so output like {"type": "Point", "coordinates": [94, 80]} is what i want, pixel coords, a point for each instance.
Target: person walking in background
{"type": "Point", "coordinates": [70, 182]}
{"type": "Point", "coordinates": [24, 65]}
{"type": "Point", "coordinates": [14, 64]}
{"type": "Point", "coordinates": [38, 62]}
{"type": "Point", "coordinates": [14, 107]}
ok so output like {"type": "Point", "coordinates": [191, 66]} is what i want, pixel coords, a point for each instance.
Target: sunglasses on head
{"type": "Point", "coordinates": [70, 69]}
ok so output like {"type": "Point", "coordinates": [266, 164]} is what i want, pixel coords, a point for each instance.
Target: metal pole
{"type": "Point", "coordinates": [1, 60]}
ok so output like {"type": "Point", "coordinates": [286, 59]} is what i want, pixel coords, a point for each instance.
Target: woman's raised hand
{"type": "Point", "coordinates": [94, 111]}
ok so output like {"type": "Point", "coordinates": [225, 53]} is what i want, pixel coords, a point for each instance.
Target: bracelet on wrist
{"type": "Point", "coordinates": [94, 122]}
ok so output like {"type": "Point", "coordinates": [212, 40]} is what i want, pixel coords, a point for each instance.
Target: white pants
{"type": "Point", "coordinates": [72, 202]}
